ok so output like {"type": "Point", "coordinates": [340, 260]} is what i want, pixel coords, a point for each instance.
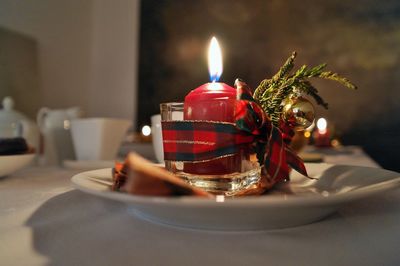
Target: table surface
{"type": "Point", "coordinates": [44, 221]}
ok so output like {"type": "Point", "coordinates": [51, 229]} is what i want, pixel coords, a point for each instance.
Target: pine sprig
{"type": "Point", "coordinates": [309, 89]}
{"type": "Point", "coordinates": [286, 68]}
{"type": "Point", "coordinates": [271, 93]}
{"type": "Point", "coordinates": [335, 77]}
{"type": "Point", "coordinates": [271, 84]}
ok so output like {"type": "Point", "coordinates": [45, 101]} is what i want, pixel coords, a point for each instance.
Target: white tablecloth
{"type": "Point", "coordinates": [43, 221]}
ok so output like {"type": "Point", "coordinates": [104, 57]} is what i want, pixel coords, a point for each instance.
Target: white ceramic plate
{"type": "Point", "coordinates": [11, 163]}
{"type": "Point", "coordinates": [297, 202]}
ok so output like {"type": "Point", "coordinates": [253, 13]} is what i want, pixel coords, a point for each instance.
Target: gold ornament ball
{"type": "Point", "coordinates": [298, 113]}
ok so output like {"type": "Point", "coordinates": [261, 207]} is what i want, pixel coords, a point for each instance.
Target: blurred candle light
{"type": "Point", "coordinates": [322, 125]}
{"type": "Point", "coordinates": [146, 130]}
{"type": "Point", "coordinates": [322, 136]}
{"type": "Point", "coordinates": [335, 143]}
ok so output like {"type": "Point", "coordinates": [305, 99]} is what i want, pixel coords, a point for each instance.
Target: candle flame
{"type": "Point", "coordinates": [322, 125]}
{"type": "Point", "coordinates": [214, 60]}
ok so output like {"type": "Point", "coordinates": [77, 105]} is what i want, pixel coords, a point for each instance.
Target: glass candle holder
{"type": "Point", "coordinates": [235, 174]}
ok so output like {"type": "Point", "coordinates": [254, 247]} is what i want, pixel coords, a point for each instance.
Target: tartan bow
{"type": "Point", "coordinates": [271, 144]}
{"type": "Point", "coordinates": [191, 141]}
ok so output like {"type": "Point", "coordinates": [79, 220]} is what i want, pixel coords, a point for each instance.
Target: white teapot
{"type": "Point", "coordinates": [54, 126]}
{"type": "Point", "coordinates": [15, 124]}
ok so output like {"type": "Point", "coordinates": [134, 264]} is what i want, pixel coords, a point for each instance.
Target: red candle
{"type": "Point", "coordinates": [213, 101]}
{"type": "Point", "coordinates": [322, 136]}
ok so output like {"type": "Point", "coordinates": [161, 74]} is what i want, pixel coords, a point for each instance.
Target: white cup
{"type": "Point", "coordinates": [156, 135]}
{"type": "Point", "coordinates": [97, 139]}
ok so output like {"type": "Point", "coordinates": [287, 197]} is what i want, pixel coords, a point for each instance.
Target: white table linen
{"type": "Point", "coordinates": [44, 221]}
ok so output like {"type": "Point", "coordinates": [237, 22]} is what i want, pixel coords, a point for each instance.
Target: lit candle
{"type": "Point", "coordinates": [214, 101]}
{"type": "Point", "coordinates": [322, 135]}
{"type": "Point", "coordinates": [211, 101]}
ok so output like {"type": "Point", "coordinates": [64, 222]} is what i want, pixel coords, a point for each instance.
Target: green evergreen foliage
{"type": "Point", "coordinates": [271, 93]}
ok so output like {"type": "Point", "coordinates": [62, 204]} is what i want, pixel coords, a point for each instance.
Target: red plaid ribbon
{"type": "Point", "coordinates": [191, 141]}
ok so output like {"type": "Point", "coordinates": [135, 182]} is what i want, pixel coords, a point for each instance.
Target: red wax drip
{"type": "Point", "coordinates": [212, 102]}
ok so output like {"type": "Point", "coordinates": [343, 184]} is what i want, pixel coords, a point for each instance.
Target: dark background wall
{"type": "Point", "coordinates": [358, 39]}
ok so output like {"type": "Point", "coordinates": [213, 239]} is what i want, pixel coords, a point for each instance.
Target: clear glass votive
{"type": "Point", "coordinates": [231, 175]}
